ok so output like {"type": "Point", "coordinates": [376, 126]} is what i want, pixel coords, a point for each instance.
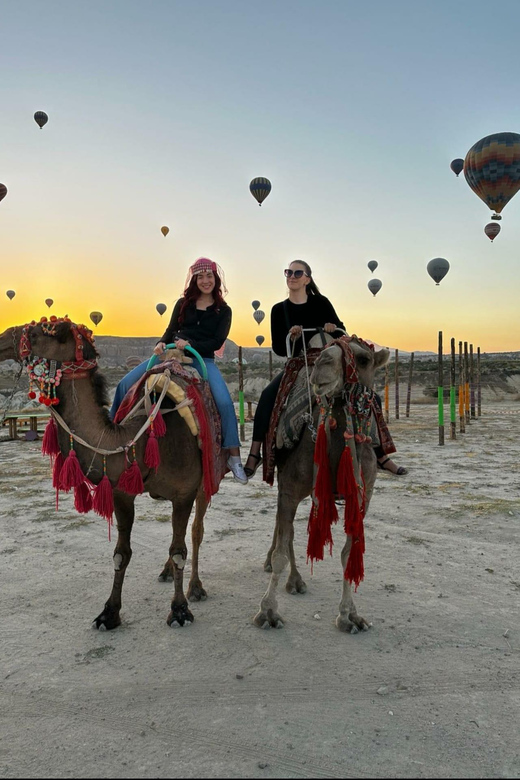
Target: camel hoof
{"type": "Point", "coordinates": [267, 566]}
{"type": "Point", "coordinates": [165, 576]}
{"type": "Point", "coordinates": [196, 592]}
{"type": "Point", "coordinates": [268, 620]}
{"type": "Point", "coordinates": [295, 586]}
{"type": "Point", "coordinates": [180, 615]}
{"type": "Point", "coordinates": [107, 620]}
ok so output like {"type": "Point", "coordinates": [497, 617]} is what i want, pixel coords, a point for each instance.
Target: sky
{"type": "Point", "coordinates": [162, 112]}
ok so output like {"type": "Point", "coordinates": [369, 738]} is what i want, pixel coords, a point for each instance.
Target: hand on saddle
{"type": "Point", "coordinates": [295, 332]}
{"type": "Point", "coordinates": [159, 348]}
{"type": "Point", "coordinates": [330, 327]}
{"type": "Point", "coordinates": [181, 343]}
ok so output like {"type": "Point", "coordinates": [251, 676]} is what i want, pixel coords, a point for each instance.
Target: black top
{"type": "Point", "coordinates": [206, 330]}
{"type": "Point", "coordinates": [317, 311]}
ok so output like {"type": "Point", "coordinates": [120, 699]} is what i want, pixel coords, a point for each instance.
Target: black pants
{"type": "Point", "coordinates": [265, 408]}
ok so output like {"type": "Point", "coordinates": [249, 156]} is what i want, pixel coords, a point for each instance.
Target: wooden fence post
{"type": "Point", "coordinates": [472, 382]}
{"type": "Point", "coordinates": [466, 383]}
{"type": "Point", "coordinates": [386, 393]}
{"type": "Point", "coordinates": [479, 389]}
{"type": "Point", "coordinates": [440, 394]}
{"type": "Point", "coordinates": [241, 395]}
{"type": "Point", "coordinates": [396, 384]}
{"type": "Point", "coordinates": [462, 421]}
{"type": "Point", "coordinates": [409, 390]}
{"type": "Point", "coordinates": [453, 434]}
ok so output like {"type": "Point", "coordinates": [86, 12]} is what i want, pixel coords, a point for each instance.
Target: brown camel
{"type": "Point", "coordinates": [83, 407]}
{"type": "Point", "coordinates": [296, 473]}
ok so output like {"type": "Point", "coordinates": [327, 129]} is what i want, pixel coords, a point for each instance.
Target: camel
{"type": "Point", "coordinates": [82, 405]}
{"type": "Point", "coordinates": [296, 473]}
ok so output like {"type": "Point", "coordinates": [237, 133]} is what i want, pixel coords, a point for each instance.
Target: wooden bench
{"type": "Point", "coordinates": [18, 419]}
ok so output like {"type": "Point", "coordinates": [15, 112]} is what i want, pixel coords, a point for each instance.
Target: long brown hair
{"type": "Point", "coordinates": [312, 287]}
{"type": "Point", "coordinates": [192, 294]}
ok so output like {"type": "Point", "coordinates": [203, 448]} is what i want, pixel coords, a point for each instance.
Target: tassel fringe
{"type": "Point", "coordinates": [323, 511]}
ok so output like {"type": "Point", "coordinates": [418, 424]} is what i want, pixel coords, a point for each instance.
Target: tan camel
{"type": "Point", "coordinates": [296, 473]}
{"type": "Point", "coordinates": [83, 406]}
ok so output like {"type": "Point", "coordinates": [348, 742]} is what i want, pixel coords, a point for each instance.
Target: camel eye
{"type": "Point", "coordinates": [363, 361]}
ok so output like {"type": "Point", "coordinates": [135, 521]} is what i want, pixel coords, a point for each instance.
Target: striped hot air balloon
{"type": "Point", "coordinates": [260, 189]}
{"type": "Point", "coordinates": [457, 166]}
{"type": "Point", "coordinates": [492, 169]}
{"type": "Point", "coordinates": [41, 118]}
{"type": "Point", "coordinates": [492, 230]}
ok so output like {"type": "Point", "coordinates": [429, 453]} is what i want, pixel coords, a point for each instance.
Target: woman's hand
{"type": "Point", "coordinates": [329, 327]}
{"type": "Point", "coordinates": [159, 348]}
{"type": "Point", "coordinates": [181, 343]}
{"type": "Point", "coordinates": [295, 332]}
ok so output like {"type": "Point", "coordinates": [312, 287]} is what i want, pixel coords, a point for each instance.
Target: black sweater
{"type": "Point", "coordinates": [317, 311]}
{"type": "Point", "coordinates": [206, 330]}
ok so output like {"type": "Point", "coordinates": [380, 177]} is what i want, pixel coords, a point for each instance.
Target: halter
{"type": "Point", "coordinates": [46, 374]}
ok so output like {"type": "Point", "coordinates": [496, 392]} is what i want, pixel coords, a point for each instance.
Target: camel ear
{"type": "Point", "coordinates": [381, 357]}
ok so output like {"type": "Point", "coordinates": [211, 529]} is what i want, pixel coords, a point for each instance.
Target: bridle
{"type": "Point", "coordinates": [46, 374]}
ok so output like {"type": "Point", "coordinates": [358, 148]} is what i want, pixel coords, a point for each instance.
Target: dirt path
{"type": "Point", "coordinates": [432, 690]}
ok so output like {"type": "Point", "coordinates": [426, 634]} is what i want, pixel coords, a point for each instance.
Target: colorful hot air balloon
{"type": "Point", "coordinates": [438, 268]}
{"type": "Point", "coordinates": [165, 230]}
{"type": "Point", "coordinates": [260, 340]}
{"type": "Point", "coordinates": [10, 294]}
{"type": "Point", "coordinates": [492, 169]}
{"type": "Point", "coordinates": [161, 308]}
{"type": "Point", "coordinates": [49, 302]}
{"type": "Point", "coordinates": [492, 230]}
{"type": "Point", "coordinates": [457, 165]}
{"type": "Point", "coordinates": [96, 317]}
{"type": "Point", "coordinates": [259, 315]}
{"type": "Point", "coordinates": [374, 286]}
{"type": "Point", "coordinates": [372, 264]}
{"type": "Point", "coordinates": [255, 305]}
{"type": "Point", "coordinates": [3, 191]}
{"type": "Point", "coordinates": [260, 189]}
{"type": "Point", "coordinates": [41, 118]}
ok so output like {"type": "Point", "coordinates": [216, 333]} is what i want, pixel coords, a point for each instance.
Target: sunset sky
{"type": "Point", "coordinates": [161, 113]}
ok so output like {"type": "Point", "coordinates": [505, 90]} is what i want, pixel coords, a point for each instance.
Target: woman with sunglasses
{"type": "Point", "coordinates": [304, 308]}
{"type": "Point", "coordinates": [201, 318]}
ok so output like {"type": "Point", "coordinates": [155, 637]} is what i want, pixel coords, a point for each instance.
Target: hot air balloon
{"type": "Point", "coordinates": [96, 317]}
{"type": "Point", "coordinates": [259, 315]}
{"type": "Point", "coordinates": [41, 118]}
{"type": "Point", "coordinates": [438, 268]}
{"type": "Point", "coordinates": [3, 191]}
{"type": "Point", "coordinates": [457, 165]}
{"type": "Point", "coordinates": [260, 340]}
{"type": "Point", "coordinates": [492, 169]}
{"type": "Point", "coordinates": [374, 286]}
{"type": "Point", "coordinates": [372, 264]}
{"type": "Point", "coordinates": [49, 302]}
{"type": "Point", "coordinates": [255, 305]}
{"type": "Point", "coordinates": [165, 230]}
{"type": "Point", "coordinates": [492, 230]}
{"type": "Point", "coordinates": [260, 189]}
{"type": "Point", "coordinates": [161, 308]}
{"type": "Point", "coordinates": [10, 294]}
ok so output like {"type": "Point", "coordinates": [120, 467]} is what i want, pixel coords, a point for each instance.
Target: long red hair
{"type": "Point", "coordinates": [192, 294]}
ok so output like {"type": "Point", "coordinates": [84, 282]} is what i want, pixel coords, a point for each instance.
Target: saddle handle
{"type": "Point", "coordinates": [305, 330]}
{"type": "Point", "coordinates": [204, 371]}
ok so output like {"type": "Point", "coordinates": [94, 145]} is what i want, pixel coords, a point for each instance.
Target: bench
{"type": "Point", "coordinates": [18, 419]}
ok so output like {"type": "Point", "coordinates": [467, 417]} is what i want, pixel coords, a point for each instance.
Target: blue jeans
{"type": "Point", "coordinates": [218, 388]}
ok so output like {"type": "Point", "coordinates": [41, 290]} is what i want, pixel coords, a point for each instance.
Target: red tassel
{"type": "Point", "coordinates": [205, 440]}
{"type": "Point", "coordinates": [82, 498]}
{"type": "Point", "coordinates": [56, 473]}
{"type": "Point", "coordinates": [103, 501]}
{"type": "Point", "coordinates": [323, 512]}
{"type": "Point", "coordinates": [50, 444]}
{"type": "Point", "coordinates": [152, 457]}
{"type": "Point", "coordinates": [159, 425]}
{"type": "Point", "coordinates": [131, 481]}
{"type": "Point", "coordinates": [348, 487]}
{"type": "Point", "coordinates": [71, 474]}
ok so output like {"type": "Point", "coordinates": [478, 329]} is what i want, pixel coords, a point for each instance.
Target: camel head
{"type": "Point", "coordinates": [328, 374]}
{"type": "Point", "coordinates": [56, 338]}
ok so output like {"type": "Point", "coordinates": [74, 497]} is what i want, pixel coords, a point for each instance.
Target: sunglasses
{"type": "Point", "coordinates": [297, 274]}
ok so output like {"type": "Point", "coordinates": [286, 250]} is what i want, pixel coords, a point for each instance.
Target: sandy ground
{"type": "Point", "coordinates": [431, 690]}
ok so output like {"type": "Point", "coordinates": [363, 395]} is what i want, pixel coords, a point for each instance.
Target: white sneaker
{"type": "Point", "coordinates": [237, 469]}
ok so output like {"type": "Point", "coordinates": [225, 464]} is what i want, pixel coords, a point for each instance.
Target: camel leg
{"type": "Point", "coordinates": [124, 508]}
{"type": "Point", "coordinates": [180, 614]}
{"type": "Point", "coordinates": [195, 590]}
{"type": "Point", "coordinates": [348, 618]}
{"type": "Point", "coordinates": [268, 616]}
